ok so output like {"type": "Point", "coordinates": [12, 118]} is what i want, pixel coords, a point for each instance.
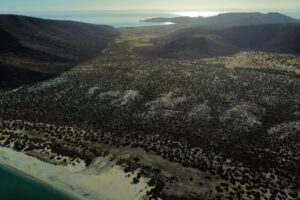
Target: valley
{"type": "Point", "coordinates": [216, 128]}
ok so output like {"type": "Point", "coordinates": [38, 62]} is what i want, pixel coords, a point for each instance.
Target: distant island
{"type": "Point", "coordinates": [227, 19]}
{"type": "Point", "coordinates": [175, 20]}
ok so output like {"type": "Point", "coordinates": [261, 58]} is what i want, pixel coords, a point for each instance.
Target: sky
{"type": "Point", "coordinates": [199, 5]}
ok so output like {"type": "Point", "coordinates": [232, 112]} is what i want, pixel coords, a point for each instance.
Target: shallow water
{"type": "Point", "coordinates": [15, 186]}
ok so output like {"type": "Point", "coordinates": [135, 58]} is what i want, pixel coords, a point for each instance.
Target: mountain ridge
{"type": "Point", "coordinates": [203, 43]}
{"type": "Point", "coordinates": [228, 19]}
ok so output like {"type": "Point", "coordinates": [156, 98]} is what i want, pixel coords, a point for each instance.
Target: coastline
{"type": "Point", "coordinates": [102, 181]}
{"type": "Point", "coordinates": [28, 178]}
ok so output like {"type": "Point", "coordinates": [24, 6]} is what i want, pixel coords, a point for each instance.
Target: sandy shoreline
{"type": "Point", "coordinates": [101, 181]}
{"type": "Point", "coordinates": [63, 192]}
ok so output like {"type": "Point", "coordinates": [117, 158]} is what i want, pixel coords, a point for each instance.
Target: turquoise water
{"type": "Point", "coordinates": [15, 186]}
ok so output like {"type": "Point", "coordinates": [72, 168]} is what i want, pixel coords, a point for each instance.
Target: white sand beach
{"type": "Point", "coordinates": [100, 181]}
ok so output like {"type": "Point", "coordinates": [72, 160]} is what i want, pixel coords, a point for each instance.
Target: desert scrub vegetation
{"type": "Point", "coordinates": [238, 125]}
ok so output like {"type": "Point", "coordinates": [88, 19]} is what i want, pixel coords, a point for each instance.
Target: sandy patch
{"type": "Point", "coordinates": [102, 180]}
{"type": "Point", "coordinates": [93, 90]}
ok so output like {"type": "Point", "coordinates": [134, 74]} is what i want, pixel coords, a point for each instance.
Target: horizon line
{"type": "Point", "coordinates": [160, 10]}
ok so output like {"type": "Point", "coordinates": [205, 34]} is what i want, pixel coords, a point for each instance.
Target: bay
{"type": "Point", "coordinates": [112, 18]}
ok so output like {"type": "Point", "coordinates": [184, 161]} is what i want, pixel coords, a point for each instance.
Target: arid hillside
{"type": "Point", "coordinates": [205, 129]}
{"type": "Point", "coordinates": [31, 46]}
{"type": "Point", "coordinates": [202, 43]}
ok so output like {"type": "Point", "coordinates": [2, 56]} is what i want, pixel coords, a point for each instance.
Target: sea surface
{"type": "Point", "coordinates": [123, 18]}
{"type": "Point", "coordinates": [16, 186]}
{"type": "Point", "coordinates": [293, 14]}
{"type": "Point", "coordinates": [112, 18]}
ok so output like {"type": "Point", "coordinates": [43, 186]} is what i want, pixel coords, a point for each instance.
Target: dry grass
{"type": "Point", "coordinates": [259, 60]}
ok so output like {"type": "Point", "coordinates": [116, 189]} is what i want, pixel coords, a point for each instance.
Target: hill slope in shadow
{"type": "Point", "coordinates": [44, 48]}
{"type": "Point", "coordinates": [202, 43]}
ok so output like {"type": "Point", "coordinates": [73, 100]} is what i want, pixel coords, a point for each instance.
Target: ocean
{"type": "Point", "coordinates": [122, 18]}
{"type": "Point", "coordinates": [112, 18]}
{"type": "Point", "coordinates": [293, 14]}
{"type": "Point", "coordinates": [15, 186]}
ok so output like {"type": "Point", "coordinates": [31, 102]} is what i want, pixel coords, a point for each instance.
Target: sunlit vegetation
{"type": "Point", "coordinates": [234, 132]}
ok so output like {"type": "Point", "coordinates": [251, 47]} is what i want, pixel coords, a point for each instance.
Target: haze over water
{"type": "Point", "coordinates": [112, 18]}
{"type": "Point", "coordinates": [124, 18]}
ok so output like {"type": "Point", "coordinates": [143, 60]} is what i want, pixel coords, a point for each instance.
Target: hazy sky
{"type": "Point", "coordinates": [199, 5]}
